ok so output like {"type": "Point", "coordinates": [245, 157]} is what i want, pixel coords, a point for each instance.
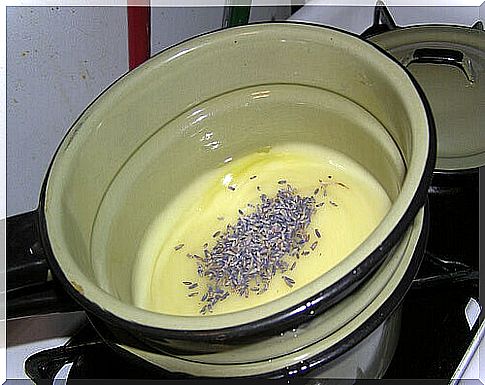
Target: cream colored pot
{"type": "Point", "coordinates": [142, 141]}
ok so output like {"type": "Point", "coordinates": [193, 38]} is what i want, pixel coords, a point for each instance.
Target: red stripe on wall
{"type": "Point", "coordinates": [138, 32]}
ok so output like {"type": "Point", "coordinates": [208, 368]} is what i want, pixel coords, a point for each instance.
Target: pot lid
{"type": "Point", "coordinates": [448, 62]}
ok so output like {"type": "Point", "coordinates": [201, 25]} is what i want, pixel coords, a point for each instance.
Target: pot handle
{"type": "Point", "coordinates": [478, 25]}
{"type": "Point", "coordinates": [383, 21]}
{"type": "Point", "coordinates": [442, 56]}
{"type": "Point", "coordinates": [31, 290]}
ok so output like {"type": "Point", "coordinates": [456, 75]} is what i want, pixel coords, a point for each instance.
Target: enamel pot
{"type": "Point", "coordinates": [448, 61]}
{"type": "Point", "coordinates": [144, 139]}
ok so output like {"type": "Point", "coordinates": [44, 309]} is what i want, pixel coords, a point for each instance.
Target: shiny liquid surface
{"type": "Point", "coordinates": [354, 205]}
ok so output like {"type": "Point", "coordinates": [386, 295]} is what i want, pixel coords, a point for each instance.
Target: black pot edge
{"type": "Point", "coordinates": [358, 335]}
{"type": "Point", "coordinates": [289, 317]}
{"type": "Point", "coordinates": [459, 172]}
{"type": "Point", "coordinates": [456, 178]}
{"type": "Point", "coordinates": [449, 183]}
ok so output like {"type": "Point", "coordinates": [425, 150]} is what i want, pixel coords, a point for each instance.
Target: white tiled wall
{"type": "Point", "coordinates": [259, 13]}
{"type": "Point", "coordinates": [58, 60]}
{"type": "Point", "coordinates": [173, 25]}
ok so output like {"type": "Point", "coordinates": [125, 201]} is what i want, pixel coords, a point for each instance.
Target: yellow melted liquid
{"type": "Point", "coordinates": [196, 215]}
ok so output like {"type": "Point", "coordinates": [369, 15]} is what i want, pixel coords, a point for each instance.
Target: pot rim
{"type": "Point", "coordinates": [439, 26]}
{"type": "Point", "coordinates": [293, 315]}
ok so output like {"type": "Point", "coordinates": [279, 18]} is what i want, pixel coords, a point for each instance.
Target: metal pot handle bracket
{"type": "Point", "coordinates": [383, 21]}
{"type": "Point", "coordinates": [31, 290]}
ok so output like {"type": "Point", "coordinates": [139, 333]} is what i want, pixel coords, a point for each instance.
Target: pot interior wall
{"type": "Point", "coordinates": [189, 108]}
{"type": "Point", "coordinates": [232, 125]}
